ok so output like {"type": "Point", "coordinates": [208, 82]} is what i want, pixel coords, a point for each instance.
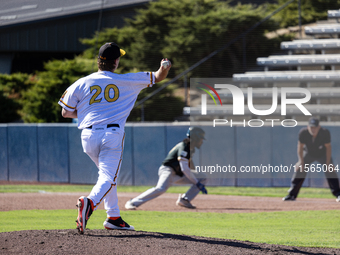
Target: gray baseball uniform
{"type": "Point", "coordinates": [172, 172]}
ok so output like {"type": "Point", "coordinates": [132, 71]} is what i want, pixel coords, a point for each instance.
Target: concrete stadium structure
{"type": "Point", "coordinates": [34, 32]}
{"type": "Point", "coordinates": [312, 63]}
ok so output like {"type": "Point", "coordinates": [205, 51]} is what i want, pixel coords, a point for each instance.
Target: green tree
{"type": "Point", "coordinates": [185, 31]}
{"type": "Point", "coordinates": [9, 109]}
{"type": "Point", "coordinates": [163, 106]}
{"type": "Point", "coordinates": [194, 37]}
{"type": "Point", "coordinates": [11, 89]}
{"type": "Point", "coordinates": [311, 11]}
{"type": "Point", "coordinates": [40, 102]}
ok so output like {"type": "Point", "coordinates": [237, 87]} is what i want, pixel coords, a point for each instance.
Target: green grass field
{"type": "Point", "coordinates": [294, 228]}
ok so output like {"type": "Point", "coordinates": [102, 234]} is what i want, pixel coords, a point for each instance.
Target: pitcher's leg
{"type": "Point", "coordinates": [111, 203]}
{"type": "Point", "coordinates": [100, 191]}
{"type": "Point", "coordinates": [109, 161]}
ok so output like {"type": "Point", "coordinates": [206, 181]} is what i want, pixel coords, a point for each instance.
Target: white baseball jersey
{"type": "Point", "coordinates": [100, 99]}
{"type": "Point", "coordinates": [104, 97]}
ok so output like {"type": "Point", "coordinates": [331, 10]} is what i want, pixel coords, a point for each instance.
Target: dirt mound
{"type": "Point", "coordinates": [134, 242]}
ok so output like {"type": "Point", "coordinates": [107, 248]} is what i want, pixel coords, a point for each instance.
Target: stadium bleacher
{"type": "Point", "coordinates": [284, 76]}
{"type": "Point", "coordinates": [299, 60]}
{"type": "Point", "coordinates": [321, 29]}
{"type": "Point", "coordinates": [313, 63]}
{"type": "Point", "coordinates": [333, 14]}
{"type": "Point", "coordinates": [312, 44]}
{"type": "Point", "coordinates": [263, 93]}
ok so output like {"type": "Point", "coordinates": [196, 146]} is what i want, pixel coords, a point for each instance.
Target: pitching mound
{"type": "Point", "coordinates": [134, 242]}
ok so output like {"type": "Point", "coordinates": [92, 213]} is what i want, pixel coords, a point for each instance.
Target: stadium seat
{"type": "Point", "coordinates": [321, 29]}
{"type": "Point", "coordinates": [333, 14]}
{"type": "Point", "coordinates": [263, 93]}
{"type": "Point", "coordinates": [284, 76]}
{"type": "Point", "coordinates": [299, 60]}
{"type": "Point", "coordinates": [311, 44]}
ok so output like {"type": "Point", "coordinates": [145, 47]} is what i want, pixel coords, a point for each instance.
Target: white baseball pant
{"type": "Point", "coordinates": [105, 147]}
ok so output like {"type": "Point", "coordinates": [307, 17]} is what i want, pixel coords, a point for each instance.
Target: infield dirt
{"type": "Point", "coordinates": [140, 242]}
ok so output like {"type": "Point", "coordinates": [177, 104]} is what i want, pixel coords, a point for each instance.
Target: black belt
{"type": "Point", "coordinates": [108, 126]}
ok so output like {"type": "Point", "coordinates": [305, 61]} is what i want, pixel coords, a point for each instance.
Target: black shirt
{"type": "Point", "coordinates": [182, 150]}
{"type": "Point", "coordinates": [317, 147]}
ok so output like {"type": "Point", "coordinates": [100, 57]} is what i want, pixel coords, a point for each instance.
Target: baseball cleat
{"type": "Point", "coordinates": [337, 199]}
{"type": "Point", "coordinates": [289, 198]}
{"type": "Point", "coordinates": [119, 224]}
{"type": "Point", "coordinates": [184, 202]}
{"type": "Point", "coordinates": [85, 209]}
{"type": "Point", "coordinates": [130, 206]}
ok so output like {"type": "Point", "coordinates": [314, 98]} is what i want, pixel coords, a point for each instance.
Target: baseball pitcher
{"type": "Point", "coordinates": [102, 101]}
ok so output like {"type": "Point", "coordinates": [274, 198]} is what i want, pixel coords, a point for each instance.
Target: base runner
{"type": "Point", "coordinates": [177, 168]}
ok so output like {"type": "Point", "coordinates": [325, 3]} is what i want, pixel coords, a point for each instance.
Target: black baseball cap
{"type": "Point", "coordinates": [110, 51]}
{"type": "Point", "coordinates": [313, 122]}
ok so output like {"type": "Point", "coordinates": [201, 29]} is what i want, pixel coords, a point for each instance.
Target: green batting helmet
{"type": "Point", "coordinates": [195, 133]}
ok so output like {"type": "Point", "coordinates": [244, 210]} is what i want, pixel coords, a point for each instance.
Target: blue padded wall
{"type": "Point", "coordinates": [253, 149]}
{"type": "Point", "coordinates": [219, 149]}
{"type": "Point", "coordinates": [126, 174]}
{"type": "Point", "coordinates": [22, 153]}
{"type": "Point", "coordinates": [149, 151]}
{"type": "Point", "coordinates": [284, 152]}
{"type": "Point", "coordinates": [319, 179]}
{"type": "Point", "coordinates": [53, 153]}
{"type": "Point", "coordinates": [174, 135]}
{"type": "Point", "coordinates": [335, 141]}
{"type": "Point", "coordinates": [3, 153]}
{"type": "Point", "coordinates": [82, 169]}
